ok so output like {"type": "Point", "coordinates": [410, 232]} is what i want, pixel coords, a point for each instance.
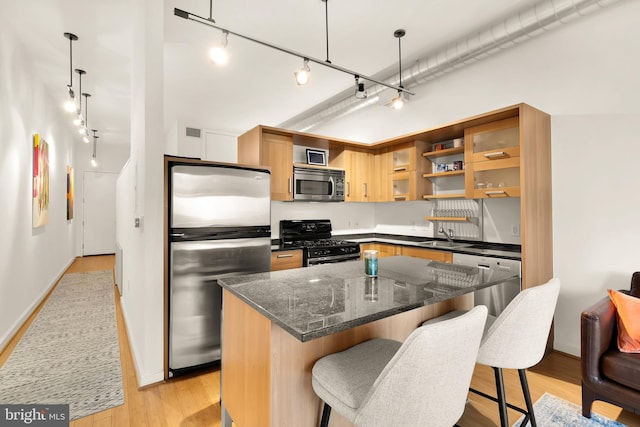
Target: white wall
{"type": "Point", "coordinates": [31, 260]}
{"type": "Point", "coordinates": [582, 74]}
{"type": "Point", "coordinates": [140, 194]}
{"type": "Point", "coordinates": [213, 145]}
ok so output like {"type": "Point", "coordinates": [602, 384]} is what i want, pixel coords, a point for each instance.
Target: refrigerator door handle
{"type": "Point", "coordinates": [177, 234]}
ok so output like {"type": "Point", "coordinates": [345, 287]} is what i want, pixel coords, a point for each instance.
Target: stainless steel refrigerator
{"type": "Point", "coordinates": [220, 225]}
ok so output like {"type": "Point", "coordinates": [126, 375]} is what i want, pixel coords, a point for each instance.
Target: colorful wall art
{"type": "Point", "coordinates": [40, 195]}
{"type": "Point", "coordinates": [69, 193]}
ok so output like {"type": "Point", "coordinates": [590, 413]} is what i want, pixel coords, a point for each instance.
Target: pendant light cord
{"type": "Point", "coordinates": [80, 94]}
{"type": "Point", "coordinates": [70, 63]}
{"type": "Point", "coordinates": [400, 60]}
{"type": "Point", "coordinates": [211, 11]}
{"type": "Point", "coordinates": [326, 26]}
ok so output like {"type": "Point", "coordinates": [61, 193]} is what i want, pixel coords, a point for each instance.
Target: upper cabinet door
{"type": "Point", "coordinates": [358, 168]}
{"type": "Point", "coordinates": [277, 153]}
{"type": "Point", "coordinates": [492, 141]}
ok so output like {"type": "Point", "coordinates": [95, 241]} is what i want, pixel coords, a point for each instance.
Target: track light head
{"type": "Point", "coordinates": [218, 54]}
{"type": "Point", "coordinates": [303, 75]}
{"type": "Point", "coordinates": [360, 92]}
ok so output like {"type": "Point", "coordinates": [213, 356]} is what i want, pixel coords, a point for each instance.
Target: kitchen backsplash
{"type": "Point", "coordinates": [501, 218]}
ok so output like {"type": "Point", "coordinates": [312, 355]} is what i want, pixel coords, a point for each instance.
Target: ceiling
{"type": "Point", "coordinates": [256, 86]}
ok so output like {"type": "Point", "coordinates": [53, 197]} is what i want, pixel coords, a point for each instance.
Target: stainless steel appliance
{"type": "Point", "coordinates": [316, 184]}
{"type": "Point", "coordinates": [497, 297]}
{"type": "Point", "coordinates": [314, 237]}
{"type": "Point", "coordinates": [219, 226]}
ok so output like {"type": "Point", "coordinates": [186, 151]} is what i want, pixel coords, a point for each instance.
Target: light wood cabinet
{"type": "Point", "coordinates": [358, 166]}
{"type": "Point", "coordinates": [397, 171]}
{"type": "Point", "coordinates": [274, 150]}
{"type": "Point", "coordinates": [449, 183]}
{"type": "Point", "coordinates": [384, 249]}
{"type": "Point", "coordinates": [492, 158]}
{"type": "Point", "coordinates": [284, 260]}
{"type": "Point", "coordinates": [441, 256]}
{"type": "Point", "coordinates": [388, 249]}
{"type": "Point", "coordinates": [381, 176]}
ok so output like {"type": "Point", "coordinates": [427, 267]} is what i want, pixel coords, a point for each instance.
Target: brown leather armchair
{"type": "Point", "coordinates": [608, 374]}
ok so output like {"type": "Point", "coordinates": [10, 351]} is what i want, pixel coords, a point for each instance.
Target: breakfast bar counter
{"type": "Point", "coordinates": [277, 324]}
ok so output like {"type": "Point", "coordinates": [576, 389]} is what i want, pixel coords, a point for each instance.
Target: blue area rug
{"type": "Point", "coordinates": [551, 411]}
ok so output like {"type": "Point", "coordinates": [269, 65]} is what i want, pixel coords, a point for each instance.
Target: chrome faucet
{"type": "Point", "coordinates": [449, 236]}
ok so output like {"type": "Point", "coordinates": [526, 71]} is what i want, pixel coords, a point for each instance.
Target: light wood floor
{"type": "Point", "coordinates": [194, 400]}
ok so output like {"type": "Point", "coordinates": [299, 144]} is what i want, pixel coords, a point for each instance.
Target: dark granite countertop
{"type": "Point", "coordinates": [315, 301]}
{"type": "Point", "coordinates": [495, 250]}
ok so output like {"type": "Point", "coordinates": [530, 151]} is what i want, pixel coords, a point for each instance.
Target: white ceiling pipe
{"type": "Point", "coordinates": [517, 28]}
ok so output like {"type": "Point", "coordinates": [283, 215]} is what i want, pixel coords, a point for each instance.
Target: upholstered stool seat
{"type": "Point", "coordinates": [344, 379]}
{"type": "Point", "coordinates": [422, 381]}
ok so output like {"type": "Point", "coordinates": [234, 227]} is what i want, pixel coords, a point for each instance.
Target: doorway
{"type": "Point", "coordinates": [99, 213]}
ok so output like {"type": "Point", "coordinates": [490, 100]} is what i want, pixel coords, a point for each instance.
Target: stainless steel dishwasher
{"type": "Point", "coordinates": [497, 297]}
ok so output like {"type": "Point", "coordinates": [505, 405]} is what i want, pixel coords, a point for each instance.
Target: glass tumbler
{"type": "Point", "coordinates": [371, 263]}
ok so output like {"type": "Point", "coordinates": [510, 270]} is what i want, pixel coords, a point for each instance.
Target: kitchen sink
{"type": "Point", "coordinates": [441, 244]}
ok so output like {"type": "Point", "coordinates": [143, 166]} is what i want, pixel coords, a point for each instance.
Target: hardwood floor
{"type": "Point", "coordinates": [194, 400]}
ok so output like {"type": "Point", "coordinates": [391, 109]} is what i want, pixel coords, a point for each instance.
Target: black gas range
{"type": "Point", "coordinates": [314, 237]}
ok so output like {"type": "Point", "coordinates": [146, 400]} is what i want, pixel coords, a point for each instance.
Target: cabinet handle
{"type": "Point", "coordinates": [399, 197]}
{"type": "Point", "coordinates": [290, 181]}
{"type": "Point", "coordinates": [495, 154]}
{"type": "Point", "coordinates": [494, 192]}
{"type": "Point", "coordinates": [348, 189]}
{"type": "Point", "coordinates": [400, 168]}
{"type": "Point", "coordinates": [365, 189]}
{"type": "Point", "coordinates": [285, 256]}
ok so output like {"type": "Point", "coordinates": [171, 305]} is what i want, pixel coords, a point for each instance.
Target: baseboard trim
{"type": "Point", "coordinates": [143, 380]}
{"type": "Point", "coordinates": [31, 312]}
{"type": "Point", "coordinates": [569, 355]}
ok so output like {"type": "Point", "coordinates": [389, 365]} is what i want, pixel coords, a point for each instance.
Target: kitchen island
{"type": "Point", "coordinates": [277, 324]}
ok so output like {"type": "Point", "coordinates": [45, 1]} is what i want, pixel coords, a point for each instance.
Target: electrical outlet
{"type": "Point", "coordinates": [515, 230]}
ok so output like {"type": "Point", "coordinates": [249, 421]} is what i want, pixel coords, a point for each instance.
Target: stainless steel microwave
{"type": "Point", "coordinates": [318, 185]}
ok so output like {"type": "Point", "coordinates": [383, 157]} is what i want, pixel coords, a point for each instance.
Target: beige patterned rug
{"type": "Point", "coordinates": [70, 353]}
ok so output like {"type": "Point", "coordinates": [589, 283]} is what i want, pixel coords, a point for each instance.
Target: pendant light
{"type": "Point", "coordinates": [70, 103]}
{"type": "Point", "coordinates": [398, 102]}
{"type": "Point", "coordinates": [85, 123]}
{"type": "Point", "coordinates": [94, 159]}
{"type": "Point", "coordinates": [79, 120]}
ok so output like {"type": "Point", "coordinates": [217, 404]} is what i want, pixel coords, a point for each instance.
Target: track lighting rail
{"type": "Point", "coordinates": [204, 21]}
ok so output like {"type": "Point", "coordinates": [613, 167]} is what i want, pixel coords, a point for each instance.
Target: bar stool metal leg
{"type": "Point", "coordinates": [527, 397]}
{"type": "Point", "coordinates": [326, 412]}
{"type": "Point", "coordinates": [502, 401]}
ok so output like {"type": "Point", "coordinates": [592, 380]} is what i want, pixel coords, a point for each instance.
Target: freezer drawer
{"type": "Point", "coordinates": [195, 298]}
{"type": "Point", "coordinates": [210, 196]}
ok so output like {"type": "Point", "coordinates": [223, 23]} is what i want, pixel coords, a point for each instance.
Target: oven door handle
{"type": "Point", "coordinates": [331, 260]}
